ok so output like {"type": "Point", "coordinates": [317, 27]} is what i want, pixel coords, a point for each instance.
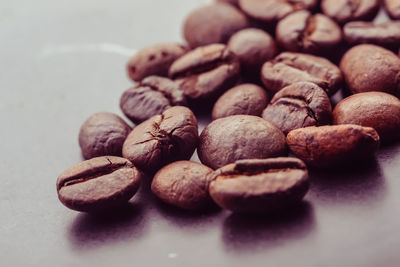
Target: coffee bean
{"type": "Point", "coordinates": [232, 138]}
{"type": "Point", "coordinates": [152, 96]}
{"type": "Point", "coordinates": [183, 184]}
{"type": "Point", "coordinates": [244, 99]}
{"type": "Point", "coordinates": [349, 10]}
{"type": "Point", "coordinates": [271, 11]}
{"type": "Point", "coordinates": [288, 68]}
{"type": "Point", "coordinates": [385, 34]}
{"type": "Point", "coordinates": [333, 145]}
{"type": "Point", "coordinates": [371, 68]}
{"type": "Point", "coordinates": [206, 72]}
{"type": "Point", "coordinates": [214, 23]}
{"type": "Point", "coordinates": [98, 184]}
{"type": "Point", "coordinates": [378, 110]}
{"type": "Point", "coordinates": [232, 2]}
{"type": "Point", "coordinates": [297, 106]}
{"type": "Point", "coordinates": [162, 139]}
{"type": "Point", "coordinates": [393, 8]}
{"type": "Point", "coordinates": [154, 60]}
{"type": "Point", "coordinates": [253, 47]}
{"type": "Point", "coordinates": [103, 134]}
{"type": "Point", "coordinates": [260, 185]}
{"type": "Point", "coordinates": [302, 31]}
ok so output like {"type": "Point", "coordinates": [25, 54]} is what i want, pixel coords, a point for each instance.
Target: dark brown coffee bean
{"type": "Point", "coordinates": [183, 184]}
{"type": "Point", "coordinates": [297, 106]}
{"type": "Point", "coordinates": [349, 10]}
{"type": "Point", "coordinates": [154, 60]}
{"type": "Point", "coordinates": [274, 10]}
{"type": "Point", "coordinates": [385, 34]}
{"type": "Point", "coordinates": [260, 185]}
{"type": "Point", "coordinates": [302, 31]}
{"type": "Point", "coordinates": [244, 99]}
{"type": "Point", "coordinates": [333, 145]}
{"type": "Point", "coordinates": [371, 68]}
{"type": "Point", "coordinates": [206, 72]}
{"type": "Point", "coordinates": [393, 8]}
{"type": "Point", "coordinates": [232, 138]}
{"type": "Point", "coordinates": [253, 47]}
{"type": "Point", "coordinates": [103, 134]}
{"type": "Point", "coordinates": [162, 139]}
{"type": "Point", "coordinates": [214, 23]}
{"type": "Point", "coordinates": [232, 2]}
{"type": "Point", "coordinates": [378, 110]}
{"type": "Point", "coordinates": [288, 68]}
{"type": "Point", "coordinates": [152, 96]}
{"type": "Point", "coordinates": [98, 184]}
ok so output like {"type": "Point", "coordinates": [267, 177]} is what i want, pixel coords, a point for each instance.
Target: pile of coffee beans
{"type": "Point", "coordinates": [287, 84]}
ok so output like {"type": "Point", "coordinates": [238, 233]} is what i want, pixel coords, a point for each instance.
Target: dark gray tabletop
{"type": "Point", "coordinates": [61, 61]}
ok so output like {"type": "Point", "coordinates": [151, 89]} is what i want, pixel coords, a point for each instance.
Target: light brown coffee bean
{"type": "Point", "coordinates": [333, 145]}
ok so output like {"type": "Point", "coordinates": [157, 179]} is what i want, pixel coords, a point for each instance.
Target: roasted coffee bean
{"type": "Point", "coordinates": [206, 72]}
{"type": "Point", "coordinates": [333, 145]}
{"type": "Point", "coordinates": [162, 139]}
{"type": "Point", "coordinates": [183, 184]}
{"type": "Point", "coordinates": [232, 138]}
{"type": "Point", "coordinates": [214, 23]}
{"type": "Point", "coordinates": [244, 99]}
{"type": "Point", "coordinates": [297, 106]}
{"type": "Point", "coordinates": [232, 2]}
{"type": "Point", "coordinates": [98, 184]}
{"type": "Point", "coordinates": [260, 185]}
{"type": "Point", "coordinates": [385, 34]}
{"type": "Point", "coordinates": [274, 10]}
{"type": "Point", "coordinates": [103, 134]}
{"type": "Point", "coordinates": [302, 31]}
{"type": "Point", "coordinates": [371, 68]}
{"type": "Point", "coordinates": [288, 68]}
{"type": "Point", "coordinates": [154, 60]}
{"type": "Point", "coordinates": [253, 47]}
{"type": "Point", "coordinates": [152, 96]}
{"type": "Point", "coordinates": [349, 10]}
{"type": "Point", "coordinates": [378, 110]}
{"type": "Point", "coordinates": [393, 8]}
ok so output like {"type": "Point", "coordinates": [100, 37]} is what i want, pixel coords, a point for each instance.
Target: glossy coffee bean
{"type": "Point", "coordinates": [302, 31]}
{"type": "Point", "coordinates": [271, 11]}
{"type": "Point", "coordinates": [334, 145]}
{"type": "Point", "coordinates": [232, 138]}
{"type": "Point", "coordinates": [393, 8]}
{"type": "Point", "coordinates": [206, 72]}
{"type": "Point", "coordinates": [385, 34]}
{"type": "Point", "coordinates": [103, 134]}
{"type": "Point", "coordinates": [253, 47]}
{"type": "Point", "coordinates": [162, 139]}
{"type": "Point", "coordinates": [349, 10]}
{"type": "Point", "coordinates": [214, 23]}
{"type": "Point", "coordinates": [260, 185]}
{"type": "Point", "coordinates": [154, 60]}
{"type": "Point", "coordinates": [378, 110]}
{"type": "Point", "coordinates": [183, 184]}
{"type": "Point", "coordinates": [244, 99]}
{"type": "Point", "coordinates": [299, 105]}
{"type": "Point", "coordinates": [152, 96]}
{"type": "Point", "coordinates": [98, 184]}
{"type": "Point", "coordinates": [371, 68]}
{"type": "Point", "coordinates": [288, 68]}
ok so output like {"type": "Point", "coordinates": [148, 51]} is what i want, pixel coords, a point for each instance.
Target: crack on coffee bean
{"type": "Point", "coordinates": [92, 174]}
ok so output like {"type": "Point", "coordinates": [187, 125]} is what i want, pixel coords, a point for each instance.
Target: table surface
{"type": "Point", "coordinates": [61, 61]}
